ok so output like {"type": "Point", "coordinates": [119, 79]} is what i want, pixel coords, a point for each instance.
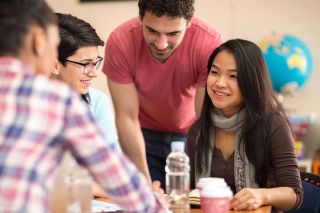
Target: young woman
{"type": "Point", "coordinates": [77, 65]}
{"type": "Point", "coordinates": [242, 134]}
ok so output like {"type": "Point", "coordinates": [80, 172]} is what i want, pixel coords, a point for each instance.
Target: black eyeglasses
{"type": "Point", "coordinates": [88, 66]}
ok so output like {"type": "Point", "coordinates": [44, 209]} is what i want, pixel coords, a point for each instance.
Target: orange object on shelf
{"type": "Point", "coordinates": [316, 167]}
{"type": "Point", "coordinates": [316, 163]}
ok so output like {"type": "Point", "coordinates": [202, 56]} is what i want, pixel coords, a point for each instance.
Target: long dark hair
{"type": "Point", "coordinates": [260, 104]}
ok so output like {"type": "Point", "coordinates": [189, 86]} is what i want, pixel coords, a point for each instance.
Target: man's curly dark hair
{"type": "Point", "coordinates": [171, 8]}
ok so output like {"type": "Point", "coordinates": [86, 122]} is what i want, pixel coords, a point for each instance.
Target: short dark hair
{"type": "Point", "coordinates": [74, 34]}
{"type": "Point", "coordinates": [171, 8]}
{"type": "Point", "coordinates": [16, 18]}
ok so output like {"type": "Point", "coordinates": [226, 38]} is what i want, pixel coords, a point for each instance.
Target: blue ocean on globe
{"type": "Point", "coordinates": [288, 60]}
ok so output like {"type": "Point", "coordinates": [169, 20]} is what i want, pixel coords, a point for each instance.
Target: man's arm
{"type": "Point", "coordinates": [126, 106]}
{"type": "Point", "coordinates": [200, 91]}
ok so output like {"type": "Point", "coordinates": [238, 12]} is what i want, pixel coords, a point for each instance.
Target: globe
{"type": "Point", "coordinates": [288, 60]}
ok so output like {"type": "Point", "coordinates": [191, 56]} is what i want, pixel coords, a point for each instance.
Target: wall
{"type": "Point", "coordinates": [249, 19]}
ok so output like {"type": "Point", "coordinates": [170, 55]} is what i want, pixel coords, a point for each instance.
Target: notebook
{"type": "Point", "coordinates": [194, 197]}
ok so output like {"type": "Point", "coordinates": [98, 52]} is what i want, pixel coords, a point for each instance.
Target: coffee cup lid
{"type": "Point", "coordinates": [218, 191]}
{"type": "Point", "coordinates": [211, 181]}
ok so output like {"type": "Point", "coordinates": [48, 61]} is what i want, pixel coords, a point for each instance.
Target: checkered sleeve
{"type": "Point", "coordinates": [109, 166]}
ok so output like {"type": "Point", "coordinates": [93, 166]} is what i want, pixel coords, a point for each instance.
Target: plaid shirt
{"type": "Point", "coordinates": [39, 120]}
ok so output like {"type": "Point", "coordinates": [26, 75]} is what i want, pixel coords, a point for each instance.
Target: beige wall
{"type": "Point", "coordinates": [248, 19]}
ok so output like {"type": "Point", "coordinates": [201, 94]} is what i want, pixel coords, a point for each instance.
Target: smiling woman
{"type": "Point", "coordinates": [243, 134]}
{"type": "Point", "coordinates": [77, 65]}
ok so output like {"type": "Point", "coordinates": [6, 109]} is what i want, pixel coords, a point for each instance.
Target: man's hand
{"type": "Point", "coordinates": [159, 192]}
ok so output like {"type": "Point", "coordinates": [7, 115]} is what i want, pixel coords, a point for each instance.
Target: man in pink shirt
{"type": "Point", "coordinates": [156, 66]}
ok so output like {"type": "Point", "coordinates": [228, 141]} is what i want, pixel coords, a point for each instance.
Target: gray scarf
{"type": "Point", "coordinates": [244, 171]}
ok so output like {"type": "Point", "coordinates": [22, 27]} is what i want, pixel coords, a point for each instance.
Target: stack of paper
{"type": "Point", "coordinates": [100, 206]}
{"type": "Point", "coordinates": [194, 197]}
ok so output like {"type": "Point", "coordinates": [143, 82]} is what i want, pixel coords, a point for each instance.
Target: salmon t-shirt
{"type": "Point", "coordinates": [166, 90]}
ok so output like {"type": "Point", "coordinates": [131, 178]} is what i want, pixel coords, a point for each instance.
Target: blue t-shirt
{"type": "Point", "coordinates": [101, 108]}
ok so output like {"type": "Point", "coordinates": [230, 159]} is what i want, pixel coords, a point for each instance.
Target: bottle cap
{"type": "Point", "coordinates": [177, 145]}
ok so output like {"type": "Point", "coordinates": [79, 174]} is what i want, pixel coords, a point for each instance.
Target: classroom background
{"type": "Point", "coordinates": [248, 19]}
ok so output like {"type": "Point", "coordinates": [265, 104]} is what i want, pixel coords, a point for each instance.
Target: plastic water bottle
{"type": "Point", "coordinates": [178, 178]}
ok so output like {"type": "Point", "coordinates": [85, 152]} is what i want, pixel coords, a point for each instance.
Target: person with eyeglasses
{"type": "Point", "coordinates": [77, 64]}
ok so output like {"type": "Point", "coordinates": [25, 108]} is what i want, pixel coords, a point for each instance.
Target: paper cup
{"type": "Point", "coordinates": [215, 199]}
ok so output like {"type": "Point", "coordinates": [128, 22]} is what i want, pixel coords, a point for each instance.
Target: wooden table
{"type": "Point", "coordinates": [263, 209]}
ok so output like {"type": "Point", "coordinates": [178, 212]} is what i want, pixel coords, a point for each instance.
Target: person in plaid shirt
{"type": "Point", "coordinates": [40, 119]}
